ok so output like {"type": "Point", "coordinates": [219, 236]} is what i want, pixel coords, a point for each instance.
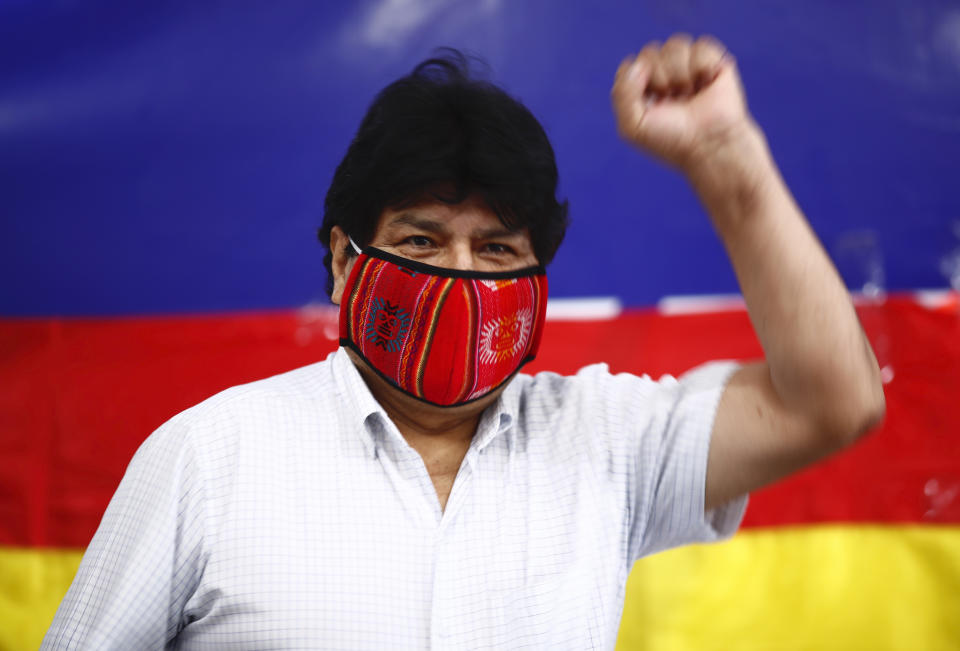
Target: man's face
{"type": "Point", "coordinates": [465, 236]}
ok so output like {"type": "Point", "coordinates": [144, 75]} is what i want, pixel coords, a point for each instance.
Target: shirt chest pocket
{"type": "Point", "coordinates": [555, 561]}
{"type": "Point", "coordinates": [563, 599]}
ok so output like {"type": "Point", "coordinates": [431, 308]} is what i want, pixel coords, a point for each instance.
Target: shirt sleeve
{"type": "Point", "coordinates": [674, 508]}
{"type": "Point", "coordinates": [661, 430]}
{"type": "Point", "coordinates": [145, 559]}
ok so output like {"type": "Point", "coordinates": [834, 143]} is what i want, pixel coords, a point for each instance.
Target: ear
{"type": "Point", "coordinates": [342, 262]}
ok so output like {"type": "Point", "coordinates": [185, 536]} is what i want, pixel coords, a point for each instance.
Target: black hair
{"type": "Point", "coordinates": [439, 133]}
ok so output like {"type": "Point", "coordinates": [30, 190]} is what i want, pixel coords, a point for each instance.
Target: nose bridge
{"type": "Point", "coordinates": [460, 254]}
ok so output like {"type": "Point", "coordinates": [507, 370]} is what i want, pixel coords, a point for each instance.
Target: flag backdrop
{"type": "Point", "coordinates": [861, 552]}
{"type": "Point", "coordinates": [163, 166]}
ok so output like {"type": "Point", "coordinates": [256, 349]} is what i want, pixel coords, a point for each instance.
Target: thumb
{"type": "Point", "coordinates": [628, 93]}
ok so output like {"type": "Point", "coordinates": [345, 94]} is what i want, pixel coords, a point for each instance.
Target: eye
{"type": "Point", "coordinates": [418, 241]}
{"type": "Point", "coordinates": [498, 248]}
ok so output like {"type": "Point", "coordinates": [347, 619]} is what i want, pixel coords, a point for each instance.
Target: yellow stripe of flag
{"type": "Point", "coordinates": [32, 583]}
{"type": "Point", "coordinates": [823, 588]}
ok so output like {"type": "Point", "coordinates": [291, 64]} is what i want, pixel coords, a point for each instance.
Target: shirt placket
{"type": "Point", "coordinates": [416, 491]}
{"type": "Point", "coordinates": [446, 609]}
{"type": "Point", "coordinates": [410, 480]}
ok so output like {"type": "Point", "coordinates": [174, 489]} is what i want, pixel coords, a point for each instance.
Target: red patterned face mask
{"type": "Point", "coordinates": [444, 336]}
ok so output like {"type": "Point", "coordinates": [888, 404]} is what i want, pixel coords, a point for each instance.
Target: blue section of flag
{"type": "Point", "coordinates": [174, 157]}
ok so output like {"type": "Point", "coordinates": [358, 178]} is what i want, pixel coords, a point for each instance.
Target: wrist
{"type": "Point", "coordinates": [732, 174]}
{"type": "Point", "coordinates": [738, 150]}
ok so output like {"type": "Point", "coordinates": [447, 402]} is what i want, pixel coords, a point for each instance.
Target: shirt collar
{"type": "Point", "coordinates": [499, 418]}
{"type": "Point", "coordinates": [355, 395]}
{"type": "Point", "coordinates": [361, 406]}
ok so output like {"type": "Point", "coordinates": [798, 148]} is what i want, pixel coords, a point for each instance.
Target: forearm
{"type": "Point", "coordinates": [820, 362]}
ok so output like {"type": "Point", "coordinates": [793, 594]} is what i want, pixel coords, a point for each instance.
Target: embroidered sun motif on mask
{"type": "Point", "coordinates": [389, 325]}
{"type": "Point", "coordinates": [504, 337]}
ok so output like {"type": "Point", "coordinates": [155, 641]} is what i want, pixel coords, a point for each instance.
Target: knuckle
{"type": "Point", "coordinates": [658, 77]}
{"type": "Point", "coordinates": [680, 37]}
{"type": "Point", "coordinates": [679, 40]}
{"type": "Point", "coordinates": [650, 48]}
{"type": "Point", "coordinates": [709, 46]}
{"type": "Point", "coordinates": [710, 39]}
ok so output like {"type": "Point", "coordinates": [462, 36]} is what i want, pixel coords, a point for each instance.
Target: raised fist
{"type": "Point", "coordinates": [681, 101]}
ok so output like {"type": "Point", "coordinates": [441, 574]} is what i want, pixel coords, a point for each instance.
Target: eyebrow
{"type": "Point", "coordinates": [408, 219]}
{"type": "Point", "coordinates": [431, 226]}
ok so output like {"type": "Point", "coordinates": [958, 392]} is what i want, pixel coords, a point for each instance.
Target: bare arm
{"type": "Point", "coordinates": [819, 388]}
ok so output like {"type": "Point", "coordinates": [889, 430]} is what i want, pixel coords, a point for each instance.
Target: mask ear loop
{"type": "Point", "coordinates": [354, 245]}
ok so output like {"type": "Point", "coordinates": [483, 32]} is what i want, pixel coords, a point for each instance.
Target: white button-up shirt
{"type": "Point", "coordinates": [290, 513]}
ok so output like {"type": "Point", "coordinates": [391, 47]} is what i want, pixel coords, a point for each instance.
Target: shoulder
{"type": "Point", "coordinates": [591, 386]}
{"type": "Point", "coordinates": [235, 432]}
{"type": "Point", "coordinates": [597, 382]}
{"type": "Point", "coordinates": [292, 390]}
{"type": "Point", "coordinates": [288, 401]}
{"type": "Point", "coordinates": [616, 404]}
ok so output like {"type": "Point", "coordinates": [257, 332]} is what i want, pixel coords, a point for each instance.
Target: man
{"type": "Point", "coordinates": [413, 490]}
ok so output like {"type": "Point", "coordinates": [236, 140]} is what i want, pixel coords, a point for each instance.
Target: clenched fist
{"type": "Point", "coordinates": [682, 101]}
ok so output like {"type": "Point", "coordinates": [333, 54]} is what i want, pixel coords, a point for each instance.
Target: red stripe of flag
{"type": "Point", "coordinates": [78, 396]}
